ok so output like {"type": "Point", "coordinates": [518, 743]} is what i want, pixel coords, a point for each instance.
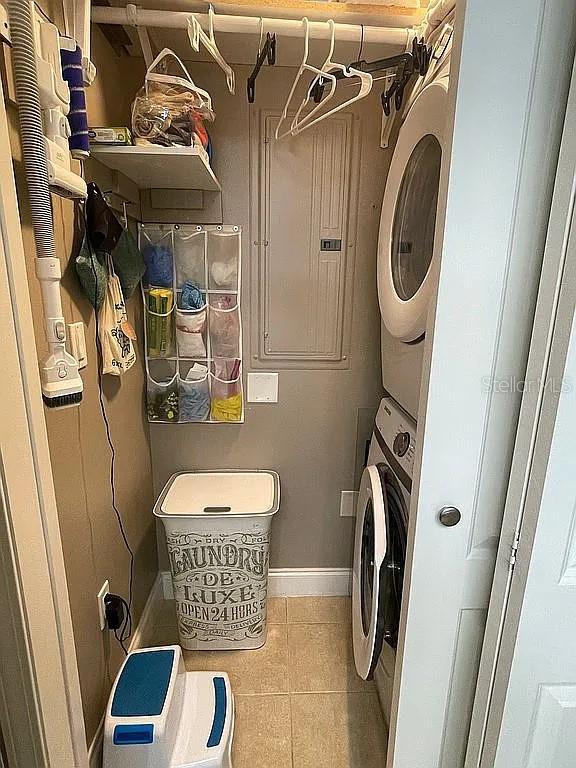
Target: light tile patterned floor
{"type": "Point", "coordinates": [299, 702]}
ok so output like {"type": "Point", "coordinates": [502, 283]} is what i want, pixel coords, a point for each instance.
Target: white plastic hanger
{"type": "Point", "coordinates": [196, 35]}
{"type": "Point", "coordinates": [186, 82]}
{"type": "Point", "coordinates": [326, 67]}
{"type": "Point", "coordinates": [304, 67]}
{"type": "Point", "coordinates": [308, 120]}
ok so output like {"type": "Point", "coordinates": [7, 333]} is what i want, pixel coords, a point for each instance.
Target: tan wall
{"type": "Point", "coordinates": [309, 437]}
{"type": "Point", "coordinates": [93, 549]}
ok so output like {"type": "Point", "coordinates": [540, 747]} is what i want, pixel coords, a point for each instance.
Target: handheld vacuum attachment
{"type": "Point", "coordinates": [61, 382]}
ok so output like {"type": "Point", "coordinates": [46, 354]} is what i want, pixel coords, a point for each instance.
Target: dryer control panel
{"type": "Point", "coordinates": [398, 432]}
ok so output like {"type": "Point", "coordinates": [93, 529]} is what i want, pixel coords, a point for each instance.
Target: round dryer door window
{"type": "Point", "coordinates": [379, 556]}
{"type": "Point", "coordinates": [406, 246]}
{"type": "Point", "coordinates": [415, 218]}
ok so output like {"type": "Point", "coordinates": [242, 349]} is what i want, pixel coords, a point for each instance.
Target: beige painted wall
{"type": "Point", "coordinates": [93, 549]}
{"type": "Point", "coordinates": [309, 437]}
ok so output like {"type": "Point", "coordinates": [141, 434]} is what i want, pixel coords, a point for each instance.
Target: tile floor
{"type": "Point", "coordinates": [299, 702]}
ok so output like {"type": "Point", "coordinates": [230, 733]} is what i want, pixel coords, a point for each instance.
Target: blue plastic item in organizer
{"type": "Point", "coordinates": [158, 259]}
{"type": "Point", "coordinates": [194, 403]}
{"type": "Point", "coordinates": [192, 297]}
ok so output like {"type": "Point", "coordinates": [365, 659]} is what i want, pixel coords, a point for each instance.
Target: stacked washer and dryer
{"type": "Point", "coordinates": [408, 267]}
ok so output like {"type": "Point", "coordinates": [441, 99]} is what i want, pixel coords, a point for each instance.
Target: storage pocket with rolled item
{"type": "Point", "coordinates": [194, 395]}
{"type": "Point", "coordinates": [223, 260]}
{"type": "Point", "coordinates": [160, 322]}
{"type": "Point", "coordinates": [224, 329]}
{"type": "Point", "coordinates": [226, 391]}
{"type": "Point", "coordinates": [190, 330]}
{"type": "Point", "coordinates": [162, 402]}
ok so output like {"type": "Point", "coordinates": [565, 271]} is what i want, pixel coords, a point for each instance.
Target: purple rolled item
{"type": "Point", "coordinates": [72, 72]}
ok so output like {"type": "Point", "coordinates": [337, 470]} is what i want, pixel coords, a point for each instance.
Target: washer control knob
{"type": "Point", "coordinates": [449, 516]}
{"type": "Point", "coordinates": [401, 443]}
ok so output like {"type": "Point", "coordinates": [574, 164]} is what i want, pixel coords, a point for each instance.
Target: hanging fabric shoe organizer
{"type": "Point", "coordinates": [193, 325]}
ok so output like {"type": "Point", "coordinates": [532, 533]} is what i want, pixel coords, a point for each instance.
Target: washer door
{"type": "Point", "coordinates": [379, 556]}
{"type": "Point", "coordinates": [406, 245]}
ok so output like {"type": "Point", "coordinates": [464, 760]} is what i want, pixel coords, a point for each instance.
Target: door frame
{"type": "Point", "coordinates": [41, 714]}
{"type": "Point", "coordinates": [548, 352]}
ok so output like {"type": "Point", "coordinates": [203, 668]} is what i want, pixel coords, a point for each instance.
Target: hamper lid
{"type": "Point", "coordinates": [219, 494]}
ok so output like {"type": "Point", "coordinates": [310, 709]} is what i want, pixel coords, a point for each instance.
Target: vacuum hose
{"type": "Point", "coordinates": [61, 382]}
{"type": "Point", "coordinates": [33, 149]}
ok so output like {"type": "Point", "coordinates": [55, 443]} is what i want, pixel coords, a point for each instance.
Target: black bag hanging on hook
{"type": "Point", "coordinates": [105, 236]}
{"type": "Point", "coordinates": [102, 226]}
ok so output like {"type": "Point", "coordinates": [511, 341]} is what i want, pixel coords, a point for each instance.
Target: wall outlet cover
{"type": "Point", "coordinates": [262, 387]}
{"type": "Point", "coordinates": [348, 500]}
{"type": "Point", "coordinates": [104, 590]}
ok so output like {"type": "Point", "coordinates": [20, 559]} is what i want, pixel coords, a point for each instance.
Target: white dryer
{"type": "Point", "coordinates": [408, 251]}
{"type": "Point", "coordinates": [380, 547]}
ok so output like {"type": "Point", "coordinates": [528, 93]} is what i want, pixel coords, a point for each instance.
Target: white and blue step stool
{"type": "Point", "coordinates": [160, 716]}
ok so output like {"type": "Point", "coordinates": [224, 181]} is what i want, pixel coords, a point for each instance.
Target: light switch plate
{"type": "Point", "coordinates": [348, 501]}
{"type": "Point", "coordinates": [262, 387]}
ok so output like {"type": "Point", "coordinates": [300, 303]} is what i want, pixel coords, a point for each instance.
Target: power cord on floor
{"type": "Point", "coordinates": [126, 629]}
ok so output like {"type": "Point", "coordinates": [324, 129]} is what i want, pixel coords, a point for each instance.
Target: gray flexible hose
{"type": "Point", "coordinates": [33, 149]}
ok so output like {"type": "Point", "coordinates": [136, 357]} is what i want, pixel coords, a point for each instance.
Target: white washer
{"type": "Point", "coordinates": [380, 547]}
{"type": "Point", "coordinates": [408, 251]}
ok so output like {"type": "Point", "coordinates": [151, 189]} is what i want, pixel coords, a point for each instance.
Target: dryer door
{"type": "Point", "coordinates": [406, 245]}
{"type": "Point", "coordinates": [379, 556]}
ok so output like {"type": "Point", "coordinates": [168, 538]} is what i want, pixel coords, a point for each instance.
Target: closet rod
{"type": "Point", "coordinates": [141, 17]}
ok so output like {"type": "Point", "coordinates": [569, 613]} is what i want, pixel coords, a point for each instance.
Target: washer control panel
{"type": "Point", "coordinates": [398, 431]}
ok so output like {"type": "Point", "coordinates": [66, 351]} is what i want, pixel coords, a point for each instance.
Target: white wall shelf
{"type": "Point", "coordinates": [156, 167]}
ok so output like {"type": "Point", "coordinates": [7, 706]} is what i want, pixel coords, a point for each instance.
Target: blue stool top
{"type": "Point", "coordinates": [143, 685]}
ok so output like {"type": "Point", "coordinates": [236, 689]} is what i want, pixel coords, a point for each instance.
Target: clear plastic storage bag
{"type": "Point", "coordinates": [223, 260]}
{"type": "Point", "coordinates": [162, 391]}
{"type": "Point", "coordinates": [194, 389]}
{"type": "Point", "coordinates": [190, 329]}
{"type": "Point", "coordinates": [224, 326]}
{"type": "Point", "coordinates": [157, 250]}
{"type": "Point", "coordinates": [170, 109]}
{"type": "Point", "coordinates": [226, 391]}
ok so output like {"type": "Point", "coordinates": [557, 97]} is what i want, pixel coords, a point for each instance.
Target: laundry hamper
{"type": "Point", "coordinates": [218, 534]}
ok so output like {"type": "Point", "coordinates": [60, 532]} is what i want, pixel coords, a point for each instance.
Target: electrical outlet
{"type": "Point", "coordinates": [104, 590]}
{"type": "Point", "coordinates": [348, 500]}
{"type": "Point", "coordinates": [78, 343]}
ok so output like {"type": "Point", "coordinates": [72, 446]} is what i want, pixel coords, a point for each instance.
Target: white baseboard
{"type": "Point", "coordinates": [295, 582]}
{"type": "Point", "coordinates": [141, 637]}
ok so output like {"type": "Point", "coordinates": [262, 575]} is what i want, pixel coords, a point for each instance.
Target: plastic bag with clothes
{"type": "Point", "coordinates": [170, 109]}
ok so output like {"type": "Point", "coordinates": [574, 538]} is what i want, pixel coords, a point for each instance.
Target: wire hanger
{"type": "Point", "coordinates": [266, 52]}
{"type": "Point", "coordinates": [304, 67]}
{"type": "Point", "coordinates": [196, 35]}
{"type": "Point", "coordinates": [339, 71]}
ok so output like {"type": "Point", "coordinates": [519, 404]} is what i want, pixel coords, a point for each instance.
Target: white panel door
{"type": "Point", "coordinates": [495, 197]}
{"type": "Point", "coordinates": [538, 725]}
{"type": "Point", "coordinates": [525, 707]}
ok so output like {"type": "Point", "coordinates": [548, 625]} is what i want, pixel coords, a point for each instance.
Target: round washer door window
{"type": "Point", "coordinates": [414, 225]}
{"type": "Point", "coordinates": [379, 554]}
{"type": "Point", "coordinates": [407, 270]}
